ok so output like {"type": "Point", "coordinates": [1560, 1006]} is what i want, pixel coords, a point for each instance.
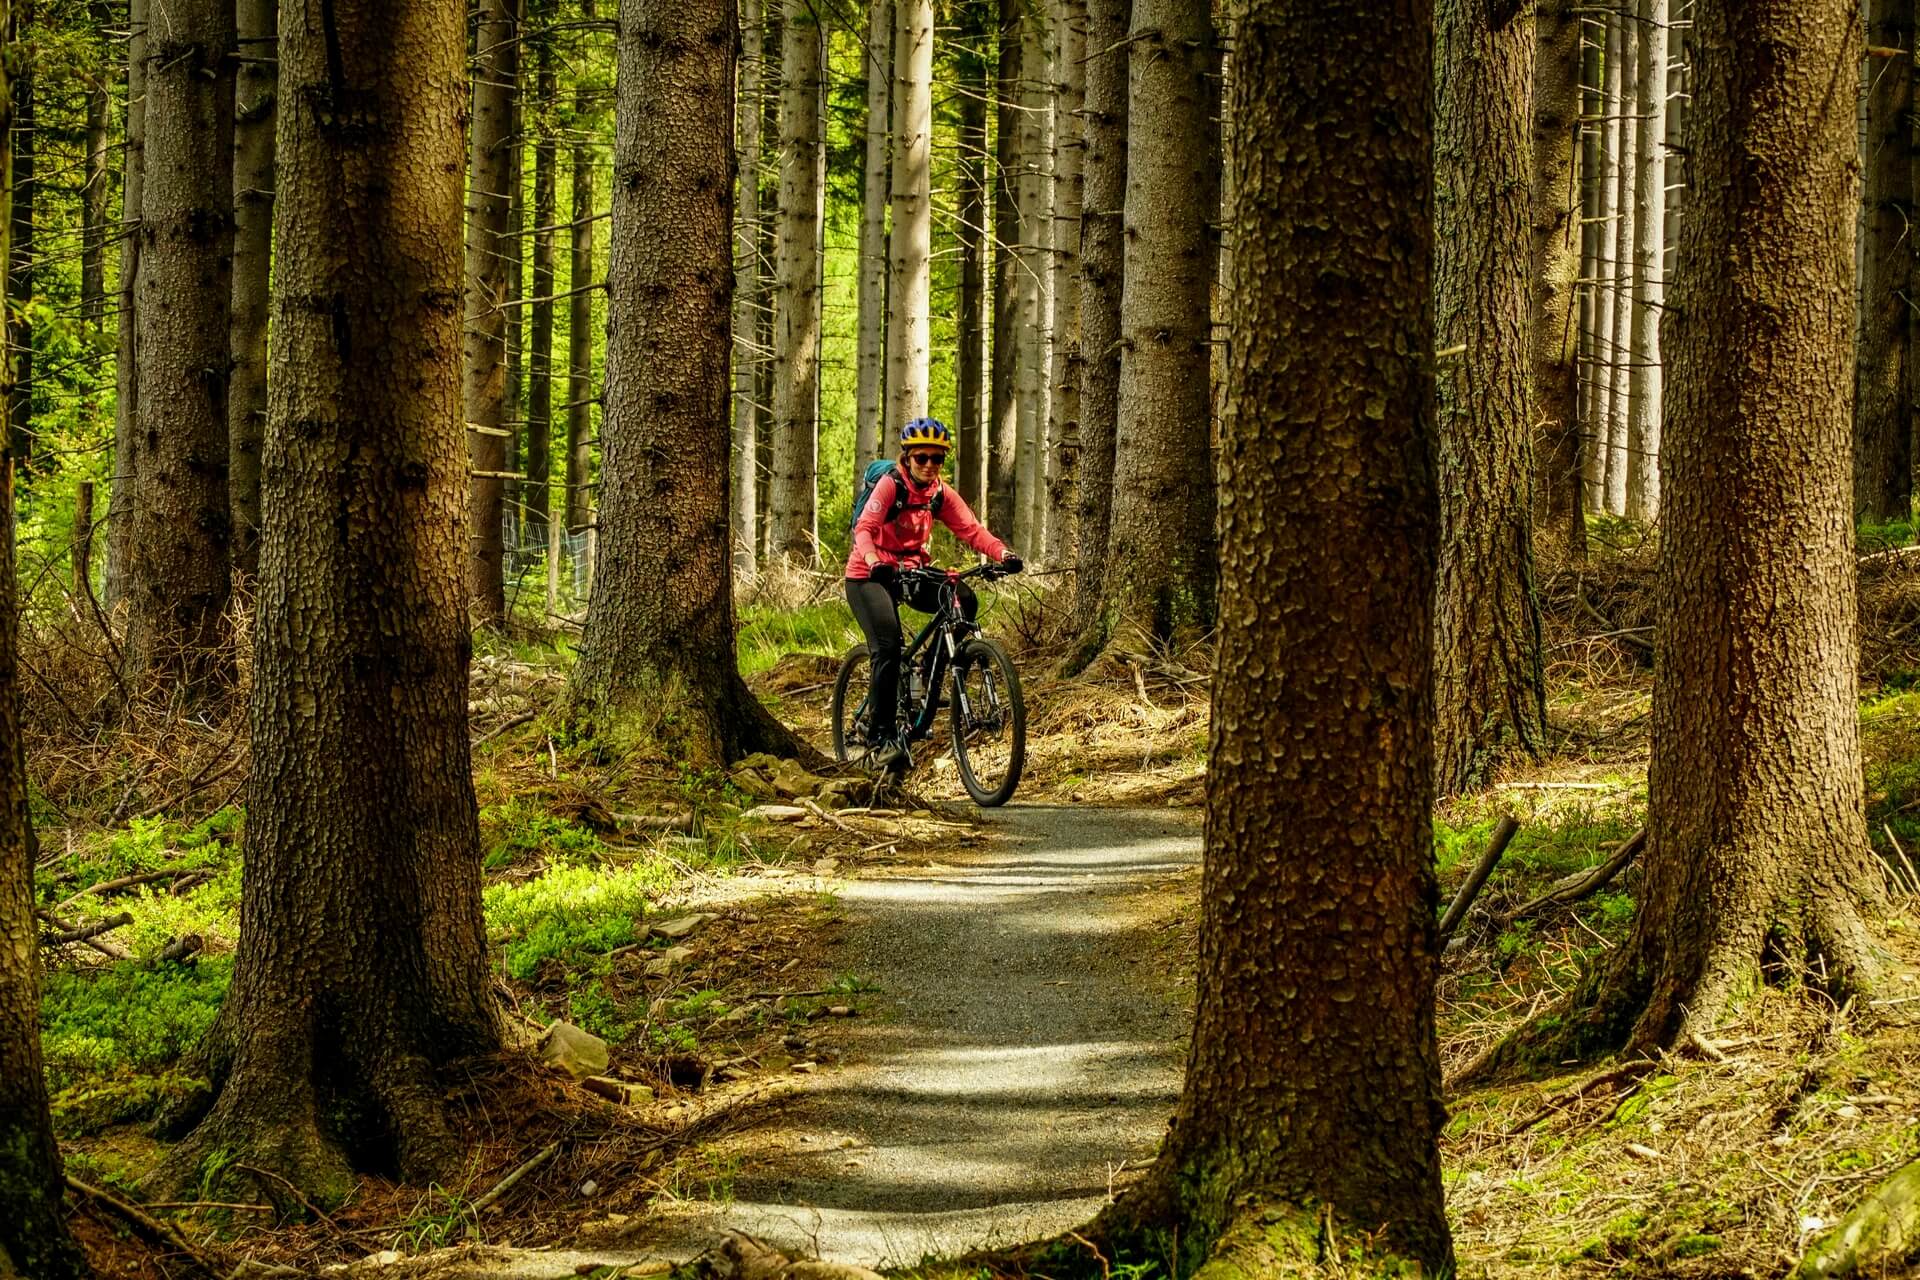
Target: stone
{"type": "Point", "coordinates": [669, 960]}
{"type": "Point", "coordinates": [840, 1011]}
{"type": "Point", "coordinates": [578, 1053]}
{"type": "Point", "coordinates": [677, 928]}
{"type": "Point", "coordinates": [619, 1091]}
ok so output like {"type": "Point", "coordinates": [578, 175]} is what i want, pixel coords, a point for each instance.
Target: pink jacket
{"type": "Point", "coordinates": [903, 540]}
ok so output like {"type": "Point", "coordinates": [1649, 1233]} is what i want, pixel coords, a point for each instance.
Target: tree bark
{"type": "Point", "coordinates": [536, 500]}
{"type": "Point", "coordinates": [1593, 297]}
{"type": "Point", "coordinates": [362, 965]}
{"type": "Point", "coordinates": [1605, 283]}
{"type": "Point", "coordinates": [513, 415]}
{"type": "Point", "coordinates": [1035, 199]}
{"type": "Point", "coordinates": [794, 536]}
{"type": "Point", "coordinates": [1757, 857]}
{"type": "Point", "coordinates": [22, 261]}
{"type": "Point", "coordinates": [659, 634]}
{"type": "Point", "coordinates": [1161, 557]}
{"type": "Point", "coordinates": [97, 186]}
{"type": "Point", "coordinates": [1003, 446]}
{"type": "Point", "coordinates": [747, 301]}
{"type": "Point", "coordinates": [1101, 273]}
{"type": "Point", "coordinates": [1882, 427]}
{"type": "Point", "coordinates": [126, 417]}
{"type": "Point", "coordinates": [179, 575]}
{"type": "Point", "coordinates": [1063, 405]}
{"type": "Point", "coordinates": [1302, 1121]}
{"type": "Point", "coordinates": [580, 314]}
{"type": "Point", "coordinates": [872, 410]}
{"type": "Point", "coordinates": [489, 258]}
{"type": "Point", "coordinates": [1649, 252]}
{"type": "Point", "coordinates": [253, 125]}
{"type": "Point", "coordinates": [1620, 269]}
{"type": "Point", "coordinates": [909, 299]}
{"type": "Point", "coordinates": [970, 413]}
{"type": "Point", "coordinates": [1557, 236]}
{"type": "Point", "coordinates": [1489, 688]}
{"type": "Point", "coordinates": [34, 1241]}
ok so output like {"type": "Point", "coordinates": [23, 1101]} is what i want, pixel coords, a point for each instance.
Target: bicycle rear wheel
{"type": "Point", "coordinates": [851, 689]}
{"type": "Point", "coordinates": [989, 720]}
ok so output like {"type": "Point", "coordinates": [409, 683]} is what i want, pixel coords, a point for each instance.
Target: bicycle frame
{"type": "Point", "coordinates": [947, 624]}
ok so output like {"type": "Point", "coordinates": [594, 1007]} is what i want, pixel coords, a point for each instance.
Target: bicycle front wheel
{"type": "Point", "coordinates": [850, 694]}
{"type": "Point", "coordinates": [989, 722]}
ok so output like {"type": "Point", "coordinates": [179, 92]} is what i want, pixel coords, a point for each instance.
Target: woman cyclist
{"type": "Point", "coordinates": [891, 534]}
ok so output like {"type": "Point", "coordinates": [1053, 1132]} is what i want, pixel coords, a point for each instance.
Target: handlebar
{"type": "Point", "coordinates": [933, 573]}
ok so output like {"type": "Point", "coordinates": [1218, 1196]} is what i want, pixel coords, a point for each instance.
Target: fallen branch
{"type": "Point", "coordinates": [1585, 883]}
{"type": "Point", "coordinates": [84, 932]}
{"type": "Point", "coordinates": [506, 1184]}
{"type": "Point", "coordinates": [148, 1226]}
{"type": "Point", "coordinates": [511, 722]}
{"type": "Point", "coordinates": [298, 1196]}
{"type": "Point", "coordinates": [1497, 846]}
{"type": "Point", "coordinates": [111, 950]}
{"type": "Point", "coordinates": [128, 882]}
{"type": "Point", "coordinates": [677, 823]}
{"type": "Point", "coordinates": [179, 949]}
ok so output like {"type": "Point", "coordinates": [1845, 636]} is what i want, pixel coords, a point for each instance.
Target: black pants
{"type": "Point", "coordinates": [875, 609]}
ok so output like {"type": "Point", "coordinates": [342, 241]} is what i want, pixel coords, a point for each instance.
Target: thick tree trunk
{"type": "Point", "coordinates": [34, 1241]}
{"type": "Point", "coordinates": [747, 301]}
{"type": "Point", "coordinates": [1620, 269]}
{"type": "Point", "coordinates": [1489, 689]}
{"type": "Point", "coordinates": [1649, 252]}
{"type": "Point", "coordinates": [871, 413]}
{"type": "Point", "coordinates": [1557, 231]}
{"type": "Point", "coordinates": [909, 295]}
{"type": "Point", "coordinates": [536, 494]}
{"type": "Point", "coordinates": [1161, 557]}
{"type": "Point", "coordinates": [362, 965]}
{"type": "Point", "coordinates": [126, 417]}
{"type": "Point", "coordinates": [580, 278]}
{"type": "Point", "coordinates": [489, 259]}
{"type": "Point", "coordinates": [1101, 256]}
{"type": "Point", "coordinates": [253, 125]}
{"type": "Point", "coordinates": [1882, 427]}
{"type": "Point", "coordinates": [660, 631]}
{"type": "Point", "coordinates": [970, 413]}
{"type": "Point", "coordinates": [1063, 405]}
{"type": "Point", "coordinates": [179, 575]}
{"type": "Point", "coordinates": [1757, 848]}
{"type": "Point", "coordinates": [1030, 378]}
{"type": "Point", "coordinates": [1003, 445]}
{"type": "Point", "coordinates": [1301, 1120]}
{"type": "Point", "coordinates": [793, 535]}
{"type": "Point", "coordinates": [22, 261]}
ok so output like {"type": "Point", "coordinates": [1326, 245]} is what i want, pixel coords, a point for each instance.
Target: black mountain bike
{"type": "Point", "coordinates": [989, 719]}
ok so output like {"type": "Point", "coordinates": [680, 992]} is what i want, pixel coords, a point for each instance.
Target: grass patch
{"type": "Point", "coordinates": [570, 912]}
{"type": "Point", "coordinates": [769, 635]}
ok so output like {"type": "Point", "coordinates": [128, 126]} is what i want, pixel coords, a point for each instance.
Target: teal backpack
{"type": "Point", "coordinates": [876, 471]}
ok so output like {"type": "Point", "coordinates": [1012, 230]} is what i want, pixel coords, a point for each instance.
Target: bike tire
{"type": "Point", "coordinates": [1009, 754]}
{"type": "Point", "coordinates": [856, 661]}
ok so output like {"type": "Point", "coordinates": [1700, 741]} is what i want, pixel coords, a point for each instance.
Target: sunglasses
{"type": "Point", "coordinates": [937, 459]}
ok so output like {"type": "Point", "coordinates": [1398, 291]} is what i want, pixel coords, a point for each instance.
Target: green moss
{"type": "Point", "coordinates": [570, 912]}
{"type": "Point", "coordinates": [111, 1036]}
{"type": "Point", "coordinates": [1692, 1245]}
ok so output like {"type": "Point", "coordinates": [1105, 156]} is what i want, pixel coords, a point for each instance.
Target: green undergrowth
{"type": "Point", "coordinates": [1883, 537]}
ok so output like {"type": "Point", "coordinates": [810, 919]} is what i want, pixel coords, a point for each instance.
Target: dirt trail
{"type": "Point", "coordinates": [1026, 1042]}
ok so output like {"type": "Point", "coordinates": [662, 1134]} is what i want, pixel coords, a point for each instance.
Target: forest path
{"type": "Point", "coordinates": [1025, 1043]}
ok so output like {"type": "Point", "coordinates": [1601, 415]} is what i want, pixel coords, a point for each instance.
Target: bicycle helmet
{"type": "Point", "coordinates": [926, 431]}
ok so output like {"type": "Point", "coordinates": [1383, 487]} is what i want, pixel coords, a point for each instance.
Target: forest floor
{"type": "Point", "coordinates": [930, 1027]}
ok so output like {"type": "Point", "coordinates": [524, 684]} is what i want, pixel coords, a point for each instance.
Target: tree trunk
{"type": "Point", "coordinates": [253, 125]}
{"type": "Point", "coordinates": [1882, 427]}
{"type": "Point", "coordinates": [536, 500]}
{"type": "Point", "coordinates": [22, 262]}
{"type": "Point", "coordinates": [179, 574]}
{"type": "Point", "coordinates": [98, 183]}
{"type": "Point", "coordinates": [1557, 509]}
{"type": "Point", "coordinates": [1312, 1100]}
{"type": "Point", "coordinates": [580, 278]}
{"type": "Point", "coordinates": [910, 285]}
{"type": "Point", "coordinates": [34, 1241]}
{"type": "Point", "coordinates": [660, 631]}
{"type": "Point", "coordinates": [1003, 445]}
{"type": "Point", "coordinates": [1757, 862]}
{"type": "Point", "coordinates": [126, 417]}
{"type": "Point", "coordinates": [1489, 689]}
{"type": "Point", "coordinates": [1606, 255]}
{"type": "Point", "coordinates": [1649, 245]}
{"type": "Point", "coordinates": [793, 537]}
{"type": "Point", "coordinates": [1593, 297]}
{"type": "Point", "coordinates": [362, 966]}
{"type": "Point", "coordinates": [1035, 233]}
{"type": "Point", "coordinates": [1161, 557]}
{"type": "Point", "coordinates": [513, 407]}
{"type": "Point", "coordinates": [872, 415]}
{"type": "Point", "coordinates": [747, 356]}
{"type": "Point", "coordinates": [489, 258]}
{"type": "Point", "coordinates": [1620, 269]}
{"type": "Point", "coordinates": [1063, 405]}
{"type": "Point", "coordinates": [970, 413]}
{"type": "Point", "coordinates": [1100, 289]}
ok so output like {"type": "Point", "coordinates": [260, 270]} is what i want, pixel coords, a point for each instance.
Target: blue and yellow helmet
{"type": "Point", "coordinates": [926, 431]}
